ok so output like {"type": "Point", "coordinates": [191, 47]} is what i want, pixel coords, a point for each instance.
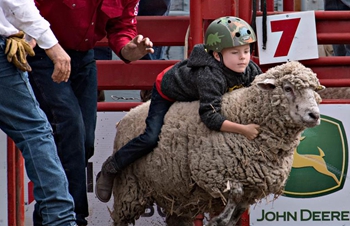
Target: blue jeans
{"type": "Point", "coordinates": [144, 144]}
{"type": "Point", "coordinates": [22, 119]}
{"type": "Point", "coordinates": [154, 8]}
{"type": "Point", "coordinates": [339, 49]}
{"type": "Point", "coordinates": [157, 55]}
{"type": "Point", "coordinates": [103, 53]}
{"type": "Point", "coordinates": [71, 109]}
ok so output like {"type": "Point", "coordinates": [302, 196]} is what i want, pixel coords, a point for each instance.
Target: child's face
{"type": "Point", "coordinates": [236, 58]}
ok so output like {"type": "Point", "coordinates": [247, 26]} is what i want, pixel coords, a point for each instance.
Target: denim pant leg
{"type": "Point", "coordinates": [22, 119]}
{"type": "Point", "coordinates": [71, 109]}
{"type": "Point", "coordinates": [103, 53]}
{"type": "Point", "coordinates": [154, 8]}
{"type": "Point", "coordinates": [143, 144]}
{"type": "Point", "coordinates": [341, 50]}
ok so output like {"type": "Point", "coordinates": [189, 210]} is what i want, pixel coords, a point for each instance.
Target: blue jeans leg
{"type": "Point", "coordinates": [22, 119]}
{"type": "Point", "coordinates": [143, 144]}
{"type": "Point", "coordinates": [154, 8]}
{"type": "Point", "coordinates": [71, 109]}
{"type": "Point", "coordinates": [103, 53]}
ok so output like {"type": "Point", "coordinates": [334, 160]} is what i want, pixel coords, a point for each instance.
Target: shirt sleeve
{"type": "Point", "coordinates": [24, 15]}
{"type": "Point", "coordinates": [211, 88]}
{"type": "Point", "coordinates": [123, 29]}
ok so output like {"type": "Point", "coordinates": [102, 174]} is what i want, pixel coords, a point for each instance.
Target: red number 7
{"type": "Point", "coordinates": [288, 28]}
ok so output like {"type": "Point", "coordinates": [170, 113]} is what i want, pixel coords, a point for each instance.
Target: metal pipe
{"type": "Point", "coordinates": [335, 82]}
{"type": "Point", "coordinates": [245, 10]}
{"type": "Point", "coordinates": [335, 101]}
{"type": "Point", "coordinates": [332, 15]}
{"type": "Point", "coordinates": [333, 38]}
{"type": "Point", "coordinates": [270, 5]}
{"type": "Point", "coordinates": [196, 24]}
{"type": "Point", "coordinates": [234, 7]}
{"type": "Point", "coordinates": [328, 61]}
{"type": "Point", "coordinates": [11, 183]}
{"type": "Point", "coordinates": [288, 5]}
{"type": "Point", "coordinates": [19, 187]}
{"type": "Point", "coordinates": [199, 220]}
{"type": "Point", "coordinates": [116, 106]}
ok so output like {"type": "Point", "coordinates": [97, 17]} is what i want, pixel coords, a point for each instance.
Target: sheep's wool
{"type": "Point", "coordinates": [187, 173]}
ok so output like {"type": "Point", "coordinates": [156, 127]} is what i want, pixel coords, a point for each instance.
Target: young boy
{"type": "Point", "coordinates": [219, 66]}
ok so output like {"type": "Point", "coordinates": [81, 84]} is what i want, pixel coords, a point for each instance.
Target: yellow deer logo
{"type": "Point", "coordinates": [315, 161]}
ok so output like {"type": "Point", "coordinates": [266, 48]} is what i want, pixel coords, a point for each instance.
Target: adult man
{"type": "Point", "coordinates": [22, 119]}
{"type": "Point", "coordinates": [71, 107]}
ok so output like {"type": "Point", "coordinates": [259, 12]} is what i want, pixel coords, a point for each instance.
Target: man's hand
{"type": "Point", "coordinates": [61, 61]}
{"type": "Point", "coordinates": [137, 48]}
{"type": "Point", "coordinates": [17, 49]}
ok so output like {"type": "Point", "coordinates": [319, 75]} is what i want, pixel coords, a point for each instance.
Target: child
{"type": "Point", "coordinates": [213, 69]}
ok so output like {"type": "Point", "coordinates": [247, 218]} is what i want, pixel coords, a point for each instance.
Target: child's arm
{"type": "Point", "coordinates": [250, 131]}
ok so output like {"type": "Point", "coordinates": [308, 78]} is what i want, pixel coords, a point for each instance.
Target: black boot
{"type": "Point", "coordinates": [104, 180]}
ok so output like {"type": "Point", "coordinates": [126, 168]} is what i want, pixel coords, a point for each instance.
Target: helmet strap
{"type": "Point", "coordinates": [221, 59]}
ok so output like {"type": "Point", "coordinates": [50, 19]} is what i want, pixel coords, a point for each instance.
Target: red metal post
{"type": "Point", "coordinates": [288, 5]}
{"type": "Point", "coordinates": [199, 220]}
{"type": "Point", "coordinates": [19, 187]}
{"type": "Point", "coordinates": [270, 5]}
{"type": "Point", "coordinates": [15, 185]}
{"type": "Point", "coordinates": [244, 221]}
{"type": "Point", "coordinates": [234, 6]}
{"type": "Point", "coordinates": [196, 24]}
{"type": "Point", "coordinates": [11, 183]}
{"type": "Point", "coordinates": [245, 10]}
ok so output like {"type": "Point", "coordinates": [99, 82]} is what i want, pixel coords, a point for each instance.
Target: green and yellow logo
{"type": "Point", "coordinates": [320, 161]}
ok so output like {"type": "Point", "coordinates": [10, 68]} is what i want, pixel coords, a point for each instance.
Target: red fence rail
{"type": "Point", "coordinates": [332, 28]}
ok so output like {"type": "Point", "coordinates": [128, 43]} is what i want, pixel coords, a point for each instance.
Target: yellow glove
{"type": "Point", "coordinates": [17, 49]}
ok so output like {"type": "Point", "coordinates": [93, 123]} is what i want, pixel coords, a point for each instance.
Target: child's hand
{"type": "Point", "coordinates": [251, 131]}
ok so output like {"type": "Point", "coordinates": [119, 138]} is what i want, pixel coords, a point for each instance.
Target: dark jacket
{"type": "Point", "coordinates": [201, 77]}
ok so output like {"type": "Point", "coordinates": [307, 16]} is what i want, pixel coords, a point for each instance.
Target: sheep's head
{"type": "Point", "coordinates": [295, 87]}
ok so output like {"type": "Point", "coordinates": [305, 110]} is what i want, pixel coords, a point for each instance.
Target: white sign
{"type": "Point", "coordinates": [319, 182]}
{"type": "Point", "coordinates": [99, 212]}
{"type": "Point", "coordinates": [290, 36]}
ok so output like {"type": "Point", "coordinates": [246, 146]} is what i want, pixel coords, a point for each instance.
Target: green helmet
{"type": "Point", "coordinates": [226, 32]}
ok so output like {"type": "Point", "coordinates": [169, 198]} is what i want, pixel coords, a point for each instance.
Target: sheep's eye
{"type": "Point", "coordinates": [288, 89]}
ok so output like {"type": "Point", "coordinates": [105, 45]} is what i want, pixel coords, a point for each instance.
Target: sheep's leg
{"type": "Point", "coordinates": [230, 216]}
{"type": "Point", "coordinates": [226, 216]}
{"type": "Point", "coordinates": [237, 213]}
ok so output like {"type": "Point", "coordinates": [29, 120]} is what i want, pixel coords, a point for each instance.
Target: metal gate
{"type": "Point", "coordinates": [332, 28]}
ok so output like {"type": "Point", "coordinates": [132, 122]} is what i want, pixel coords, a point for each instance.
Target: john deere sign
{"type": "Point", "coordinates": [320, 161]}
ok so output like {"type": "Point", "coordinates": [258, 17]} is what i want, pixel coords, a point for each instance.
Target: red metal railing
{"type": "Point", "coordinates": [15, 185]}
{"type": "Point", "coordinates": [171, 31]}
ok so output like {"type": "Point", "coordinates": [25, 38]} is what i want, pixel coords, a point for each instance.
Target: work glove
{"type": "Point", "coordinates": [17, 49]}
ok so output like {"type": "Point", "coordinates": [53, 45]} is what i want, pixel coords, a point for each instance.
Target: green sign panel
{"type": "Point", "coordinates": [320, 161]}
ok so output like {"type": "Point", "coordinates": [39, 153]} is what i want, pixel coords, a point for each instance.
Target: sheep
{"type": "Point", "coordinates": [192, 166]}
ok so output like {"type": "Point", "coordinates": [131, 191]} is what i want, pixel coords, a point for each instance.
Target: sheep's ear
{"type": "Point", "coordinates": [267, 84]}
{"type": "Point", "coordinates": [319, 88]}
